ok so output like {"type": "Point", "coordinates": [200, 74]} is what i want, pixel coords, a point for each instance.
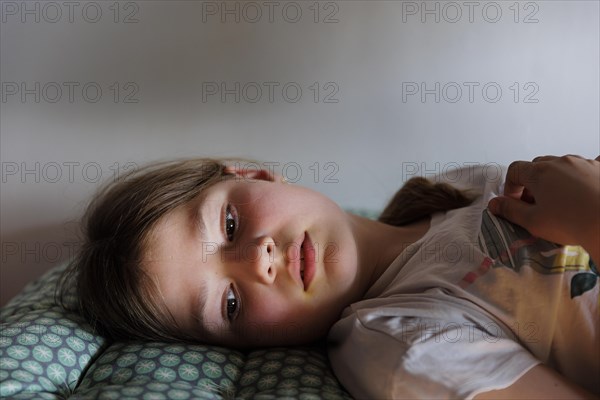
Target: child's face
{"type": "Point", "coordinates": [240, 275]}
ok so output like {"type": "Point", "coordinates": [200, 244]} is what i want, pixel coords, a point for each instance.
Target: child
{"type": "Point", "coordinates": [433, 302]}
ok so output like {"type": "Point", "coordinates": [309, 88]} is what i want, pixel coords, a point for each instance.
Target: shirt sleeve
{"type": "Point", "coordinates": [377, 353]}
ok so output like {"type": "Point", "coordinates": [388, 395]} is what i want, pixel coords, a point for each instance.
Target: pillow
{"type": "Point", "coordinates": [48, 352]}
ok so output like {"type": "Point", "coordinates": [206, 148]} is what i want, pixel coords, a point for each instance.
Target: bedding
{"type": "Point", "coordinates": [47, 352]}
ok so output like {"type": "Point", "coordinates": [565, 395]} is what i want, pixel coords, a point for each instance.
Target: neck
{"type": "Point", "coordinates": [379, 244]}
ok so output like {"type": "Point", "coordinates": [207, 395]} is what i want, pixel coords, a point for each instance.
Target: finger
{"type": "Point", "coordinates": [550, 158]}
{"type": "Point", "coordinates": [574, 156]}
{"type": "Point", "coordinates": [513, 210]}
{"type": "Point", "coordinates": [517, 178]}
{"type": "Point", "coordinates": [544, 158]}
{"type": "Point", "coordinates": [527, 196]}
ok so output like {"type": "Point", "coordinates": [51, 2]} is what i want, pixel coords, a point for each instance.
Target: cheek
{"type": "Point", "coordinates": [268, 210]}
{"type": "Point", "coordinates": [340, 259]}
{"type": "Point", "coordinates": [273, 308]}
{"type": "Point", "coordinates": [273, 200]}
{"type": "Point", "coordinates": [280, 322]}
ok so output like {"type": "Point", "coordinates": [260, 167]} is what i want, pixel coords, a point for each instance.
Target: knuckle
{"type": "Point", "coordinates": [514, 165]}
{"type": "Point", "coordinates": [541, 158]}
{"type": "Point", "coordinates": [570, 158]}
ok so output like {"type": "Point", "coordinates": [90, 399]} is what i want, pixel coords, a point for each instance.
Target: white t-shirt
{"type": "Point", "coordinates": [471, 307]}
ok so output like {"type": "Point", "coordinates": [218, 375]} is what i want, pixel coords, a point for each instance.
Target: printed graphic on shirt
{"type": "Point", "coordinates": [510, 246]}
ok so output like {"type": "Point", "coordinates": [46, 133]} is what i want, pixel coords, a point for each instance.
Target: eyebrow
{"type": "Point", "coordinates": [199, 230]}
{"type": "Point", "coordinates": [200, 304]}
{"type": "Point", "coordinates": [198, 220]}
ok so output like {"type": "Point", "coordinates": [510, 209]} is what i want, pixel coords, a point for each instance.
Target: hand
{"type": "Point", "coordinates": [554, 198]}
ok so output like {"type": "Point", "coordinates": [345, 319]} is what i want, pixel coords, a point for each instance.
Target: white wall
{"type": "Point", "coordinates": [367, 57]}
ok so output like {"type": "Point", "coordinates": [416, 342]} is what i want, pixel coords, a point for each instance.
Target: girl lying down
{"type": "Point", "coordinates": [442, 297]}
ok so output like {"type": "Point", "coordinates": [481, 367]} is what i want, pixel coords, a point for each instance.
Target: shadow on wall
{"type": "Point", "coordinates": [28, 254]}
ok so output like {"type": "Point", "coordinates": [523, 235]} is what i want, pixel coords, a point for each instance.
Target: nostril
{"type": "Point", "coordinates": [269, 272]}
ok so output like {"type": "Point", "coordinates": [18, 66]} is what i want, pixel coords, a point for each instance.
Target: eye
{"type": "Point", "coordinates": [232, 305]}
{"type": "Point", "coordinates": [230, 223]}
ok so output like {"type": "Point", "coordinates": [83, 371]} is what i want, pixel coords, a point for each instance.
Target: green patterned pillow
{"type": "Point", "coordinates": [47, 352]}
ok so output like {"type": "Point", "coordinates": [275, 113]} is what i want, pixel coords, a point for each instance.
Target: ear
{"type": "Point", "coordinates": [259, 174]}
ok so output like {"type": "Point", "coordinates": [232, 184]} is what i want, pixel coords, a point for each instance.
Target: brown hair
{"type": "Point", "coordinates": [419, 198]}
{"type": "Point", "coordinates": [117, 297]}
{"type": "Point", "coordinates": [114, 294]}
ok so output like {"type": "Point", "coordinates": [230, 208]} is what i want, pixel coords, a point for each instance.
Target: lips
{"type": "Point", "coordinates": [307, 261]}
{"type": "Point", "coordinates": [302, 265]}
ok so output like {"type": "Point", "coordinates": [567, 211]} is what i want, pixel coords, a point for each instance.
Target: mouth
{"type": "Point", "coordinates": [307, 261]}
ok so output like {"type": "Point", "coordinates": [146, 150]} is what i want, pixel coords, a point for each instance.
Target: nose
{"type": "Point", "coordinates": [261, 261]}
